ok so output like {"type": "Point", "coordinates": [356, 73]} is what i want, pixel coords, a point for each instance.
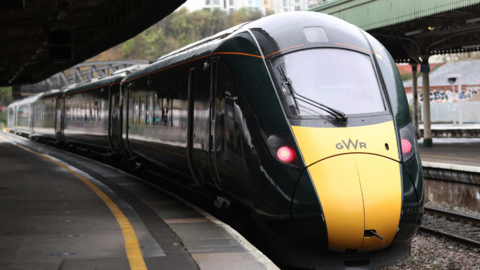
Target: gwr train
{"type": "Point", "coordinates": [299, 117]}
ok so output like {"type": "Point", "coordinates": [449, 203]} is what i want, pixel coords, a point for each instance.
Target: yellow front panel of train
{"type": "Point", "coordinates": [319, 143]}
{"type": "Point", "coordinates": [340, 193]}
{"type": "Point", "coordinates": [382, 198]}
{"type": "Point", "coordinates": [358, 188]}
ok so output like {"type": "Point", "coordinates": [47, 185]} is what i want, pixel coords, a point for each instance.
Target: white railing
{"type": "Point", "coordinates": [444, 112]}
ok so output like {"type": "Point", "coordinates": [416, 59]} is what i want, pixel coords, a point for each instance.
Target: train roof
{"type": "Point", "coordinates": [25, 101]}
{"type": "Point", "coordinates": [286, 32]}
{"type": "Point", "coordinates": [51, 94]}
{"type": "Point", "coordinates": [106, 81]}
{"type": "Point", "coordinates": [276, 34]}
{"type": "Point", "coordinates": [115, 78]}
{"type": "Point", "coordinates": [47, 94]}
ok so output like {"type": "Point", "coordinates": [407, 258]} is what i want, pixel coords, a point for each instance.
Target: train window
{"type": "Point", "coordinates": [142, 111]}
{"type": "Point", "coordinates": [175, 110]}
{"type": "Point", "coordinates": [96, 112]}
{"type": "Point", "coordinates": [165, 110]}
{"type": "Point", "coordinates": [102, 111]}
{"type": "Point", "coordinates": [148, 110]}
{"type": "Point", "coordinates": [87, 112]}
{"type": "Point", "coordinates": [75, 112]}
{"type": "Point", "coordinates": [156, 114]}
{"type": "Point", "coordinates": [68, 114]}
{"type": "Point", "coordinates": [341, 79]}
{"type": "Point", "coordinates": [91, 112]}
{"type": "Point", "coordinates": [135, 110]}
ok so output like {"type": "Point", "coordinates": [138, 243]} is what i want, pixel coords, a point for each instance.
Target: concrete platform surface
{"type": "Point", "coordinates": [461, 154]}
{"type": "Point", "coordinates": [62, 211]}
{"type": "Point", "coordinates": [451, 126]}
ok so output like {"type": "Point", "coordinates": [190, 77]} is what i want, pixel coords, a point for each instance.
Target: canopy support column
{"type": "Point", "coordinates": [415, 99]}
{"type": "Point", "coordinates": [427, 125]}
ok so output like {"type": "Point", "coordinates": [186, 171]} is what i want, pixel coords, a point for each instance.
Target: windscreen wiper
{"type": "Point", "coordinates": [339, 115]}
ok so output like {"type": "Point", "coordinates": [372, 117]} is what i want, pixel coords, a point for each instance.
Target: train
{"type": "Point", "coordinates": [300, 118]}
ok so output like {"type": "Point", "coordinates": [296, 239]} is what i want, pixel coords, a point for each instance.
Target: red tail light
{"type": "Point", "coordinates": [281, 148]}
{"type": "Point", "coordinates": [406, 146]}
{"type": "Point", "coordinates": [286, 154]}
{"type": "Point", "coordinates": [407, 141]}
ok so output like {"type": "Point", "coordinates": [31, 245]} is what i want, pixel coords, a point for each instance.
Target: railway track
{"type": "Point", "coordinates": [456, 227]}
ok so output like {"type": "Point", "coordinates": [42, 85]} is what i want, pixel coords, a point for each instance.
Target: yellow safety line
{"type": "Point", "coordinates": [450, 157]}
{"type": "Point", "coordinates": [132, 247]}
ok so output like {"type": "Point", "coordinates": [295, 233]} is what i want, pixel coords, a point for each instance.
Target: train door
{"type": "Point", "coordinates": [127, 99]}
{"type": "Point", "coordinates": [30, 117]}
{"type": "Point", "coordinates": [190, 128]}
{"type": "Point", "coordinates": [200, 96]}
{"type": "Point", "coordinates": [115, 131]}
{"type": "Point", "coordinates": [58, 118]}
{"type": "Point", "coordinates": [215, 127]}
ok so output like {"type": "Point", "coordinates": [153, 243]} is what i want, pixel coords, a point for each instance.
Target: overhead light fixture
{"type": "Point", "coordinates": [471, 46]}
{"type": "Point", "coordinates": [472, 20]}
{"type": "Point", "coordinates": [414, 32]}
{"type": "Point", "coordinates": [431, 28]}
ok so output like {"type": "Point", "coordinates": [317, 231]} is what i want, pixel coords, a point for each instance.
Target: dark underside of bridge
{"type": "Point", "coordinates": [42, 37]}
{"type": "Point", "coordinates": [447, 32]}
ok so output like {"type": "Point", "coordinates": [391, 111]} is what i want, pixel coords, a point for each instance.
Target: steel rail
{"type": "Point", "coordinates": [449, 236]}
{"type": "Point", "coordinates": [454, 217]}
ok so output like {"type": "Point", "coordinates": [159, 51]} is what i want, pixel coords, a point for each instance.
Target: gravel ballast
{"type": "Point", "coordinates": [430, 252]}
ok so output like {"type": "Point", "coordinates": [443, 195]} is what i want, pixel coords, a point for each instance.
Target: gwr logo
{"type": "Point", "coordinates": [351, 144]}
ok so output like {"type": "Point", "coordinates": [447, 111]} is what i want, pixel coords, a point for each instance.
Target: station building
{"type": "Point", "coordinates": [444, 102]}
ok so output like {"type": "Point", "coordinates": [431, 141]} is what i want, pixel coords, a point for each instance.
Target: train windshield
{"type": "Point", "coordinates": [338, 79]}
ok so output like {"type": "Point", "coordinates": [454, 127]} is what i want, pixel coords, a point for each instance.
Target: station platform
{"type": "Point", "coordinates": [62, 211]}
{"type": "Point", "coordinates": [456, 160]}
{"type": "Point", "coordinates": [461, 153]}
{"type": "Point", "coordinates": [453, 131]}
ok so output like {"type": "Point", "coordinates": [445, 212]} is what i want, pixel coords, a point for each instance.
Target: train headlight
{"type": "Point", "coordinates": [281, 148]}
{"type": "Point", "coordinates": [406, 146]}
{"type": "Point", "coordinates": [407, 141]}
{"type": "Point", "coordinates": [286, 154]}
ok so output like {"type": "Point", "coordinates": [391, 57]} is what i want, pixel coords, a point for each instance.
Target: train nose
{"type": "Point", "coordinates": [360, 195]}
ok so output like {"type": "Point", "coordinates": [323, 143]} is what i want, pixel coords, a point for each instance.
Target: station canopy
{"type": "Point", "coordinates": [412, 28]}
{"type": "Point", "coordinates": [43, 37]}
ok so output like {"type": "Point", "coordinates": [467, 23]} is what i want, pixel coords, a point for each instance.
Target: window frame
{"type": "Point", "coordinates": [148, 110]}
{"type": "Point", "coordinates": [272, 65]}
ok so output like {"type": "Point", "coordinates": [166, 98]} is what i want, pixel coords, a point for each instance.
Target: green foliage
{"type": "Point", "coordinates": [128, 47]}
{"type": "Point", "coordinates": [5, 99]}
{"type": "Point", "coordinates": [177, 30]}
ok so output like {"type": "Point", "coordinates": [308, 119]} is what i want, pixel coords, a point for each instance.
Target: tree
{"type": "Point", "coordinates": [5, 99]}
{"type": "Point", "coordinates": [175, 31]}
